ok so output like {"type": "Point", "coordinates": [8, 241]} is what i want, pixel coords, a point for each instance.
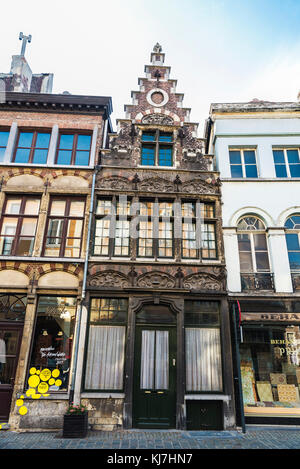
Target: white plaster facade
{"type": "Point", "coordinates": [270, 198]}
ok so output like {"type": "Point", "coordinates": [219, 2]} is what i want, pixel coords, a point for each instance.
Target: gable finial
{"type": "Point", "coordinates": [24, 40]}
{"type": "Point", "coordinates": [157, 48]}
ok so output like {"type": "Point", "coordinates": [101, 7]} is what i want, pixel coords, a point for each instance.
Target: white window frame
{"type": "Point", "coordinates": [241, 150]}
{"type": "Point", "coordinates": [286, 161]}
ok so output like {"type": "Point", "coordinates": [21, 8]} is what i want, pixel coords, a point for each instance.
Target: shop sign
{"type": "Point", "coordinates": [284, 317]}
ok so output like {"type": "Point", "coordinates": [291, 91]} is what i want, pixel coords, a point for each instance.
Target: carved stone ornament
{"type": "Point", "coordinates": [202, 281]}
{"type": "Point", "coordinates": [198, 186]}
{"type": "Point", "coordinates": [109, 278]}
{"type": "Point", "coordinates": [156, 280]}
{"type": "Point", "coordinates": [114, 182]}
{"type": "Point", "coordinates": [157, 185]}
{"type": "Point", "coordinates": [157, 119]}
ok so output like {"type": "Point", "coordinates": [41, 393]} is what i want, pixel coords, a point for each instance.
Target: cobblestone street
{"type": "Point", "coordinates": [255, 438]}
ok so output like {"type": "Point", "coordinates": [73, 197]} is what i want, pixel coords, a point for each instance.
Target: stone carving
{"type": "Point", "coordinates": [198, 186]}
{"type": "Point", "coordinates": [156, 184]}
{"type": "Point", "coordinates": [121, 144]}
{"type": "Point", "coordinates": [157, 119]}
{"type": "Point", "coordinates": [109, 278]}
{"type": "Point", "coordinates": [157, 48]}
{"type": "Point", "coordinates": [156, 280]}
{"type": "Point", "coordinates": [114, 182]}
{"type": "Point", "coordinates": [202, 281]}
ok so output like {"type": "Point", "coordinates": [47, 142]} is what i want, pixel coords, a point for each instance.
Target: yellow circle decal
{"type": "Point", "coordinates": [51, 381]}
{"type": "Point", "coordinates": [55, 373]}
{"type": "Point", "coordinates": [29, 392]}
{"type": "Point", "coordinates": [19, 402]}
{"type": "Point", "coordinates": [23, 410]}
{"type": "Point", "coordinates": [43, 387]}
{"type": "Point", "coordinates": [36, 396]}
{"type": "Point", "coordinates": [32, 371]}
{"type": "Point", "coordinates": [33, 381]}
{"type": "Point", "coordinates": [58, 382]}
{"type": "Point", "coordinates": [45, 374]}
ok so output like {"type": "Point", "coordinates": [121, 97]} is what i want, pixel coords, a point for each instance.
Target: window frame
{"type": "Point", "coordinates": [76, 134]}
{"type": "Point", "coordinates": [105, 323]}
{"type": "Point", "coordinates": [251, 233]}
{"type": "Point", "coordinates": [156, 144]}
{"type": "Point", "coordinates": [294, 231]}
{"type": "Point", "coordinates": [65, 218]}
{"type": "Point", "coordinates": [113, 219]}
{"type": "Point", "coordinates": [243, 164]}
{"type": "Point", "coordinates": [21, 216]}
{"type": "Point", "coordinates": [33, 147]}
{"type": "Point", "coordinates": [218, 326]}
{"type": "Point", "coordinates": [286, 163]}
{"type": "Point", "coordinates": [6, 130]}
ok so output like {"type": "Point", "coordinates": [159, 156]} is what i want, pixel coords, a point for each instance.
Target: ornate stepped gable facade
{"type": "Point", "coordinates": [156, 157]}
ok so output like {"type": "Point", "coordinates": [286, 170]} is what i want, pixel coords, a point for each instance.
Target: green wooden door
{"type": "Point", "coordinates": [154, 396]}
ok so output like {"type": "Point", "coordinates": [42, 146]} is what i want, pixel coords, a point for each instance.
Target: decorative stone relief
{"type": "Point", "coordinates": [114, 182]}
{"type": "Point", "coordinates": [156, 280]}
{"type": "Point", "coordinates": [202, 281]}
{"type": "Point", "coordinates": [199, 186]}
{"type": "Point", "coordinates": [109, 278]}
{"type": "Point", "coordinates": [157, 119]}
{"type": "Point", "coordinates": [156, 185]}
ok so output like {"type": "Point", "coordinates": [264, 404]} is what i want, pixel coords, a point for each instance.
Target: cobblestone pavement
{"type": "Point", "coordinates": [254, 438]}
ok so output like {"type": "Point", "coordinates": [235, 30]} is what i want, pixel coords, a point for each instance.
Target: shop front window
{"type": "Point", "coordinates": [53, 340]}
{"type": "Point", "coordinates": [270, 370]}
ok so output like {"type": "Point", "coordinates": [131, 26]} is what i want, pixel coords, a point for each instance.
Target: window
{"type": "Point", "coordinates": [243, 163]}
{"type": "Point", "coordinates": [287, 162]}
{"type": "Point", "coordinates": [156, 229]}
{"type": "Point", "coordinates": [3, 143]}
{"type": "Point", "coordinates": [253, 248]}
{"type": "Point", "coordinates": [32, 147]}
{"type": "Point", "coordinates": [112, 228]}
{"type": "Point", "coordinates": [203, 346]}
{"type": "Point", "coordinates": [292, 237]}
{"type": "Point", "coordinates": [106, 344]}
{"type": "Point", "coordinates": [64, 227]}
{"type": "Point", "coordinates": [157, 148]}
{"type": "Point", "coordinates": [270, 367]}
{"type": "Point", "coordinates": [74, 149]}
{"type": "Point", "coordinates": [190, 245]}
{"type": "Point", "coordinates": [18, 226]}
{"type": "Point", "coordinates": [53, 340]}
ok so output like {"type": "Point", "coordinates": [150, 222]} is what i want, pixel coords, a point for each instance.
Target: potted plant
{"type": "Point", "coordinates": [75, 422]}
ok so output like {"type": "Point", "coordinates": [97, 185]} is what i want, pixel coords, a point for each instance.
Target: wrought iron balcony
{"type": "Point", "coordinates": [257, 281]}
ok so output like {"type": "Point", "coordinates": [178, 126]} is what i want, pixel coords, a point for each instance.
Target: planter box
{"type": "Point", "coordinates": [75, 426]}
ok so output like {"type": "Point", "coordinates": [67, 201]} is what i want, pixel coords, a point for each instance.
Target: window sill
{"type": "Point", "coordinates": [43, 259]}
{"type": "Point", "coordinates": [207, 397]}
{"type": "Point", "coordinates": [102, 395]}
{"type": "Point", "coordinates": [52, 165]}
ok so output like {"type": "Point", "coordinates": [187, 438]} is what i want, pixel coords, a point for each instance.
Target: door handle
{"type": "Point", "coordinates": [174, 362]}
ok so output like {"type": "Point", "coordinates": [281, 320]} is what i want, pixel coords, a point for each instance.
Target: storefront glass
{"type": "Point", "coordinates": [53, 339]}
{"type": "Point", "coordinates": [270, 370]}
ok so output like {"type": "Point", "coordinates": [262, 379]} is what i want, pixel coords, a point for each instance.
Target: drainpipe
{"type": "Point", "coordinates": [238, 365]}
{"type": "Point", "coordinates": [71, 395]}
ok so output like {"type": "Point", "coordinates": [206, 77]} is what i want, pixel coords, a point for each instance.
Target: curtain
{"type": "Point", "coordinates": [155, 360]}
{"type": "Point", "coordinates": [203, 359]}
{"type": "Point", "coordinates": [105, 359]}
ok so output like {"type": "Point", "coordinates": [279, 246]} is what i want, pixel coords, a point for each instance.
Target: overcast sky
{"type": "Point", "coordinates": [218, 50]}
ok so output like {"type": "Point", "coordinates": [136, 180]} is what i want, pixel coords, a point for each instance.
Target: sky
{"type": "Point", "coordinates": [218, 50]}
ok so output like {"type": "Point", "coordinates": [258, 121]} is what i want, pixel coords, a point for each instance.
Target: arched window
{"type": "Point", "coordinates": [252, 242]}
{"type": "Point", "coordinates": [292, 237]}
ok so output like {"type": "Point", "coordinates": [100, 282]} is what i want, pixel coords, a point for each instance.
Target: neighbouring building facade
{"type": "Point", "coordinates": [256, 146]}
{"type": "Point", "coordinates": [155, 334]}
{"type": "Point", "coordinates": [49, 145]}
